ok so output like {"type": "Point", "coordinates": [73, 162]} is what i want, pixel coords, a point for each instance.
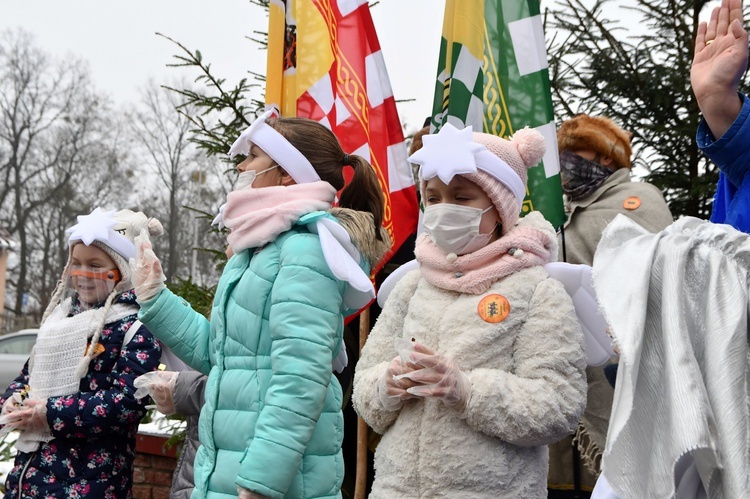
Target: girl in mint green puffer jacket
{"type": "Point", "coordinates": [272, 425]}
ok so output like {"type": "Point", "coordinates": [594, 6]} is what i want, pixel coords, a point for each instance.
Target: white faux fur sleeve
{"type": "Point", "coordinates": [378, 352]}
{"type": "Point", "coordinates": [543, 397]}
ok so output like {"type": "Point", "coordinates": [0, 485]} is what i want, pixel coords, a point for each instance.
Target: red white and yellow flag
{"type": "Point", "coordinates": [325, 63]}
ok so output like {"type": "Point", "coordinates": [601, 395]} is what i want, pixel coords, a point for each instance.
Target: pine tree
{"type": "Point", "coordinates": [637, 73]}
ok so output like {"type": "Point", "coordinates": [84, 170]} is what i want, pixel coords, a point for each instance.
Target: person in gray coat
{"type": "Point", "coordinates": [188, 400]}
{"type": "Point", "coordinates": [595, 162]}
{"type": "Point", "coordinates": [178, 389]}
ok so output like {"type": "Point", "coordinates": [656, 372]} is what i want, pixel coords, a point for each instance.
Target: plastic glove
{"type": "Point", "coordinates": [11, 404]}
{"type": "Point", "coordinates": [148, 278]}
{"type": "Point", "coordinates": [392, 385]}
{"type": "Point", "coordinates": [160, 386]}
{"type": "Point", "coordinates": [439, 377]}
{"type": "Point", "coordinates": [31, 417]}
{"type": "Point", "coordinates": [243, 493]}
{"type": "Point", "coordinates": [392, 390]}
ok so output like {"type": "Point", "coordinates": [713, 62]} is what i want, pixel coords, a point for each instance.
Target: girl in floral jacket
{"type": "Point", "coordinates": [73, 402]}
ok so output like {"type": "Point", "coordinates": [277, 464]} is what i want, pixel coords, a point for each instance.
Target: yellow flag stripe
{"type": "Point", "coordinates": [465, 25]}
{"type": "Point", "coordinates": [275, 61]}
{"type": "Point", "coordinates": [496, 108]}
{"type": "Point", "coordinates": [315, 56]}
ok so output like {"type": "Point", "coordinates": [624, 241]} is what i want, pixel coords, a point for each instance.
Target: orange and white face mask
{"type": "Point", "coordinates": [93, 284]}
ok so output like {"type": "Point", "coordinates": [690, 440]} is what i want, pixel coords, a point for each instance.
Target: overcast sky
{"type": "Point", "coordinates": [118, 41]}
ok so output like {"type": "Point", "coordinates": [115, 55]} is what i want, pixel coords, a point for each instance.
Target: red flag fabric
{"type": "Point", "coordinates": [325, 63]}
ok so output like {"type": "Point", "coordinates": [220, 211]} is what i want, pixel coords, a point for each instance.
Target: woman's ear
{"type": "Point", "coordinates": [286, 179]}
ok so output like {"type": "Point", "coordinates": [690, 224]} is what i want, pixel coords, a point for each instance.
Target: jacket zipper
{"type": "Point", "coordinates": [23, 472]}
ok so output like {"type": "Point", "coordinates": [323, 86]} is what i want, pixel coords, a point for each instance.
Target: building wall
{"type": "Point", "coordinates": [154, 465]}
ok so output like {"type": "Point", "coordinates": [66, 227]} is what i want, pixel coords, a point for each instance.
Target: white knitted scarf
{"type": "Point", "coordinates": [677, 305]}
{"type": "Point", "coordinates": [55, 365]}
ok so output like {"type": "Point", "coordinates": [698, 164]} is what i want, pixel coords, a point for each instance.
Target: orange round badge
{"type": "Point", "coordinates": [632, 203]}
{"type": "Point", "coordinates": [493, 308]}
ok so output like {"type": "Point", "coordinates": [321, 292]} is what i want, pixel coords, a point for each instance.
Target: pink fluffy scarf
{"type": "Point", "coordinates": [257, 216]}
{"type": "Point", "coordinates": [532, 242]}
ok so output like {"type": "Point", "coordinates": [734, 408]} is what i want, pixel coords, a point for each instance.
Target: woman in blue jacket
{"type": "Point", "coordinates": [272, 425]}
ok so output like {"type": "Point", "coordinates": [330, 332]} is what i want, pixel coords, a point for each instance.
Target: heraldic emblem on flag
{"type": "Point", "coordinates": [492, 74]}
{"type": "Point", "coordinates": [325, 63]}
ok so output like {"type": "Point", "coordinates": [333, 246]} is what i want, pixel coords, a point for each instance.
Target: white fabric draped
{"type": "Point", "coordinates": [677, 306]}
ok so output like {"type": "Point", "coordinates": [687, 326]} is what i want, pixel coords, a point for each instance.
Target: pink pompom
{"type": "Point", "coordinates": [154, 227]}
{"type": "Point", "coordinates": [530, 145]}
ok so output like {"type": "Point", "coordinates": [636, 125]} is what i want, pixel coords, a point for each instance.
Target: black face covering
{"type": "Point", "coordinates": [581, 177]}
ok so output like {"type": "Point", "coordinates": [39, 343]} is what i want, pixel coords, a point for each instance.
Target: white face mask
{"type": "Point", "coordinates": [246, 178]}
{"type": "Point", "coordinates": [455, 228]}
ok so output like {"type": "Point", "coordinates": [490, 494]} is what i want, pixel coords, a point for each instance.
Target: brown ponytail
{"type": "Point", "coordinates": [364, 193]}
{"type": "Point", "coordinates": [321, 147]}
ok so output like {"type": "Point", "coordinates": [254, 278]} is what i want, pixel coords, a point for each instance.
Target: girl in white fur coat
{"type": "Point", "coordinates": [477, 360]}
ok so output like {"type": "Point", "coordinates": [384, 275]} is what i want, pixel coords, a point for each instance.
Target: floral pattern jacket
{"type": "Point", "coordinates": [92, 452]}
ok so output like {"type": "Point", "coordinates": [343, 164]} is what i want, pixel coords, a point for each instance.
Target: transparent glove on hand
{"type": "Point", "coordinates": [394, 383]}
{"type": "Point", "coordinates": [159, 385]}
{"type": "Point", "coordinates": [438, 376]}
{"type": "Point", "coordinates": [11, 405]}
{"type": "Point", "coordinates": [148, 278]}
{"type": "Point", "coordinates": [392, 391]}
{"type": "Point", "coordinates": [31, 417]}
{"type": "Point", "coordinates": [243, 493]}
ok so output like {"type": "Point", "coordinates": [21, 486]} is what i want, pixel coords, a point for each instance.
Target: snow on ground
{"type": "Point", "coordinates": [160, 425]}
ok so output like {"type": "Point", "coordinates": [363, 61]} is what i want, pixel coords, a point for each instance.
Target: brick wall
{"type": "Point", "coordinates": [154, 465]}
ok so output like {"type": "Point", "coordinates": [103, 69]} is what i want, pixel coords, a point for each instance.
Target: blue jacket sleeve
{"type": "Point", "coordinates": [174, 322]}
{"type": "Point", "coordinates": [109, 410]}
{"type": "Point", "coordinates": [731, 154]}
{"type": "Point", "coordinates": [305, 320]}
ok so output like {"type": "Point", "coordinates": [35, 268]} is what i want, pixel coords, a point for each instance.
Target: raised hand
{"type": "Point", "coordinates": [148, 277]}
{"type": "Point", "coordinates": [720, 60]}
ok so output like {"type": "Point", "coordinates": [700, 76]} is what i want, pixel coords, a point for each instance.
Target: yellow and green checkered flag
{"type": "Point", "coordinates": [492, 75]}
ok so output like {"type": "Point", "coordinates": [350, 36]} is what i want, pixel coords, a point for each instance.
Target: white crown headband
{"type": "Point", "coordinates": [277, 147]}
{"type": "Point", "coordinates": [453, 152]}
{"type": "Point", "coordinates": [98, 227]}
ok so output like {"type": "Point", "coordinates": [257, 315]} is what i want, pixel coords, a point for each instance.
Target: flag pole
{"type": "Point", "coordinates": [360, 480]}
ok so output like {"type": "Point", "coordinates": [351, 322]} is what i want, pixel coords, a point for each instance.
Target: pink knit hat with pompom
{"type": "Point", "coordinates": [523, 151]}
{"type": "Point", "coordinates": [497, 165]}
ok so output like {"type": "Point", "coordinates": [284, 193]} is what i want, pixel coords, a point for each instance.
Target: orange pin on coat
{"type": "Point", "coordinates": [98, 350]}
{"type": "Point", "coordinates": [632, 203]}
{"type": "Point", "coordinates": [493, 308]}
